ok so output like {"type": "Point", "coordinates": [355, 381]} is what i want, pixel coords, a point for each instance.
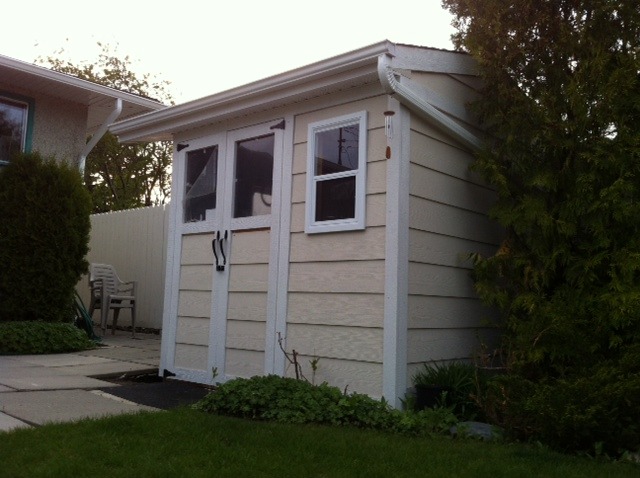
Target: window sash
{"type": "Point", "coordinates": [315, 182]}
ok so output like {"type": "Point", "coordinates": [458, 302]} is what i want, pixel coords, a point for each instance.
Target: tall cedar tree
{"type": "Point", "coordinates": [122, 176]}
{"type": "Point", "coordinates": [561, 104]}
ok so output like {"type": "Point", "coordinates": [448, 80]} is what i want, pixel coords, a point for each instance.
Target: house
{"type": "Point", "coordinates": [326, 210]}
{"type": "Point", "coordinates": [54, 113]}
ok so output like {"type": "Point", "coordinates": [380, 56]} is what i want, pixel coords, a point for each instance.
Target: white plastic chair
{"type": "Point", "coordinates": [109, 292]}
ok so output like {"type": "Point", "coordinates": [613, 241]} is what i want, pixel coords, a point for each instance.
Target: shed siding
{"type": "Point", "coordinates": [194, 302]}
{"type": "Point", "coordinates": [447, 221]}
{"type": "Point", "coordinates": [336, 280]}
{"type": "Point", "coordinates": [247, 303]}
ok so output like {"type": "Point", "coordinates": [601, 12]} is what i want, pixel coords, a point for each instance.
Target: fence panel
{"type": "Point", "coordinates": [134, 242]}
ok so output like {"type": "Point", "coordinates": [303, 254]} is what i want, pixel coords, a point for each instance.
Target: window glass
{"type": "Point", "coordinates": [13, 127]}
{"type": "Point", "coordinates": [253, 179]}
{"type": "Point", "coordinates": [200, 186]}
{"type": "Point", "coordinates": [335, 199]}
{"type": "Point", "coordinates": [337, 150]}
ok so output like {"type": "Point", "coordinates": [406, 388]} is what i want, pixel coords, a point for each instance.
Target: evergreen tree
{"type": "Point", "coordinates": [561, 106]}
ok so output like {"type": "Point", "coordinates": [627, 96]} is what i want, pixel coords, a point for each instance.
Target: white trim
{"type": "Point", "coordinates": [172, 275]}
{"type": "Point", "coordinates": [413, 98]}
{"type": "Point", "coordinates": [358, 221]}
{"type": "Point", "coordinates": [394, 368]}
{"type": "Point", "coordinates": [279, 257]}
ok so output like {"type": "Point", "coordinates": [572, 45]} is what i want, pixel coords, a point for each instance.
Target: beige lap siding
{"type": "Point", "coordinates": [447, 220]}
{"type": "Point", "coordinates": [247, 303]}
{"type": "Point", "coordinates": [194, 302]}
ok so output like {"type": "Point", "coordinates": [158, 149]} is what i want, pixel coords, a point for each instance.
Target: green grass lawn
{"type": "Point", "coordinates": [188, 443]}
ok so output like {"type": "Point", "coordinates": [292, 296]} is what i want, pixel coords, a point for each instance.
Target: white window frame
{"type": "Point", "coordinates": [358, 221]}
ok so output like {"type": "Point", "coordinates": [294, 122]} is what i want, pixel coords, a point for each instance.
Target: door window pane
{"type": "Point", "coordinates": [253, 177]}
{"type": "Point", "coordinates": [13, 127]}
{"type": "Point", "coordinates": [200, 187]}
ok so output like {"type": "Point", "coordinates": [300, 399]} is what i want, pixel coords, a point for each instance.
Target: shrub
{"type": "Point", "coordinates": [36, 337]}
{"type": "Point", "coordinates": [462, 382]}
{"type": "Point", "coordinates": [594, 411]}
{"type": "Point", "coordinates": [295, 401]}
{"type": "Point", "coordinates": [44, 238]}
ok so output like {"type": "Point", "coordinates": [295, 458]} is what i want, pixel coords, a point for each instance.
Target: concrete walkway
{"type": "Point", "coordinates": [39, 389]}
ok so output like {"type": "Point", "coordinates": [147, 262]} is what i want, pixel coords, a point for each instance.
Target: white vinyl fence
{"type": "Point", "coordinates": [134, 242]}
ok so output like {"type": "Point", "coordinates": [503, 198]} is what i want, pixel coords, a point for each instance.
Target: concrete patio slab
{"type": "Point", "coordinates": [112, 367]}
{"type": "Point", "coordinates": [8, 423]}
{"type": "Point", "coordinates": [53, 381]}
{"type": "Point", "coordinates": [4, 389]}
{"type": "Point", "coordinates": [64, 405]}
{"type": "Point", "coordinates": [63, 360]}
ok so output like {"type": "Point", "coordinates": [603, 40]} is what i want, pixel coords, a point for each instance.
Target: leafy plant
{"type": "Point", "coordinates": [461, 382]}
{"type": "Point", "coordinates": [44, 238]}
{"type": "Point", "coordinates": [36, 337]}
{"type": "Point", "coordinates": [289, 400]}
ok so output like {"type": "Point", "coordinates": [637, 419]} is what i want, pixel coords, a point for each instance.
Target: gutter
{"type": "Point", "coordinates": [117, 109]}
{"type": "Point", "coordinates": [418, 103]}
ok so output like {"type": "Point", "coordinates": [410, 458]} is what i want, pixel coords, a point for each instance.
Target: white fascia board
{"type": "Point", "coordinates": [276, 89]}
{"type": "Point", "coordinates": [56, 77]}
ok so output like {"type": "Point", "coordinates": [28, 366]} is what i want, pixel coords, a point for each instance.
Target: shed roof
{"type": "Point", "coordinates": [27, 78]}
{"type": "Point", "coordinates": [352, 69]}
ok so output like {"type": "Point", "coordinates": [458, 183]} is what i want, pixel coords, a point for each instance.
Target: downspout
{"type": "Point", "coordinates": [117, 109]}
{"type": "Point", "coordinates": [414, 101]}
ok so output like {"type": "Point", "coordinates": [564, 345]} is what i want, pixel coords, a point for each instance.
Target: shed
{"type": "Point", "coordinates": [327, 210]}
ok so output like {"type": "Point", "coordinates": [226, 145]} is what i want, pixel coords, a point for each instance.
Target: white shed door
{"type": "Point", "coordinates": [218, 306]}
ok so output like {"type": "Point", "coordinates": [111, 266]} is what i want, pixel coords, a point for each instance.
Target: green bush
{"type": "Point", "coordinates": [44, 238]}
{"type": "Point", "coordinates": [289, 400]}
{"type": "Point", "coordinates": [463, 381]}
{"type": "Point", "coordinates": [594, 412]}
{"type": "Point", "coordinates": [36, 337]}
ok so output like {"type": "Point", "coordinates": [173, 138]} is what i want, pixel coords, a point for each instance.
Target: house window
{"type": "Point", "coordinates": [336, 174]}
{"type": "Point", "coordinates": [13, 127]}
{"type": "Point", "coordinates": [200, 185]}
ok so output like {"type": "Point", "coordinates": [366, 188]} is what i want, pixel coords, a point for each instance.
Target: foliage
{"type": "Point", "coordinates": [44, 238]}
{"type": "Point", "coordinates": [463, 382]}
{"type": "Point", "coordinates": [41, 338]}
{"type": "Point", "coordinates": [122, 176]}
{"type": "Point", "coordinates": [594, 412]}
{"type": "Point", "coordinates": [289, 400]}
{"type": "Point", "coordinates": [561, 98]}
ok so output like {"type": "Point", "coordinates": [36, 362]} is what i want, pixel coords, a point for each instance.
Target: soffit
{"type": "Point", "coordinates": [29, 80]}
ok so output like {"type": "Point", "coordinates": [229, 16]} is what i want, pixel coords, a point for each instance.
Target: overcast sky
{"type": "Point", "coordinates": [203, 47]}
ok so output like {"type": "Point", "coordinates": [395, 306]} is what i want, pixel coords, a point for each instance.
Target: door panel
{"type": "Point", "coordinates": [223, 231]}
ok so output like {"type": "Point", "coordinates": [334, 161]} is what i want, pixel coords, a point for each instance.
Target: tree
{"type": "Point", "coordinates": [122, 176]}
{"type": "Point", "coordinates": [562, 100]}
{"type": "Point", "coordinates": [561, 107]}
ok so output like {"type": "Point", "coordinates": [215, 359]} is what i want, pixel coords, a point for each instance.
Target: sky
{"type": "Point", "coordinates": [203, 47]}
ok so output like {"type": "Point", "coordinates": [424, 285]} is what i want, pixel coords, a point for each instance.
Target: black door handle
{"type": "Point", "coordinates": [219, 240]}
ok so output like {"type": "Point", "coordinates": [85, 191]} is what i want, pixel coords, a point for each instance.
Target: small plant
{"type": "Point", "coordinates": [36, 337]}
{"type": "Point", "coordinates": [456, 384]}
{"type": "Point", "coordinates": [295, 401]}
{"type": "Point", "coordinates": [292, 358]}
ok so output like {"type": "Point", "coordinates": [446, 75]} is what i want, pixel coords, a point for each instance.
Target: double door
{"type": "Point", "coordinates": [225, 215]}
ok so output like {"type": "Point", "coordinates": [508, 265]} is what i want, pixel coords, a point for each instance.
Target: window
{"type": "Point", "coordinates": [13, 127]}
{"type": "Point", "coordinates": [200, 185]}
{"type": "Point", "coordinates": [253, 179]}
{"type": "Point", "coordinates": [336, 174]}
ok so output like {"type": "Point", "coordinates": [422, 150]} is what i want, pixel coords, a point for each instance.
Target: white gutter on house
{"type": "Point", "coordinates": [117, 109]}
{"type": "Point", "coordinates": [419, 104]}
